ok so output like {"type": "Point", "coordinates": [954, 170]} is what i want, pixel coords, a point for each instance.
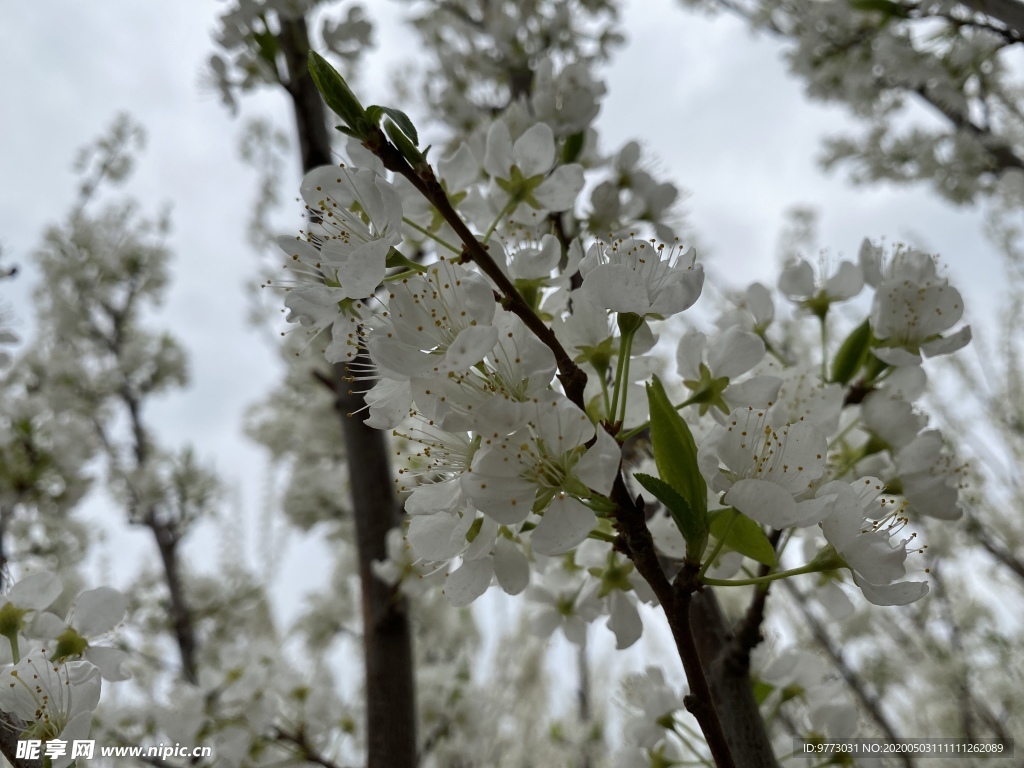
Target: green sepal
{"type": "Point", "coordinates": [337, 95]}
{"type": "Point", "coordinates": [742, 535]}
{"type": "Point", "coordinates": [707, 391]}
{"type": "Point", "coordinates": [599, 356]}
{"type": "Point", "coordinates": [675, 452]}
{"type": "Point", "coordinates": [69, 645]}
{"type": "Point", "coordinates": [852, 354]}
{"type": "Point", "coordinates": [694, 528]}
{"type": "Point", "coordinates": [12, 619]}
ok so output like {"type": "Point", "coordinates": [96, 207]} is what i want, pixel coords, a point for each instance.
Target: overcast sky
{"type": "Point", "coordinates": [712, 102]}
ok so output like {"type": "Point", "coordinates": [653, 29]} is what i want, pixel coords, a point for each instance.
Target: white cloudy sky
{"type": "Point", "coordinates": [714, 103]}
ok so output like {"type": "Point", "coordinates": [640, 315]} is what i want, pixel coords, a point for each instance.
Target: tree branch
{"type": "Point", "coordinates": [636, 541]}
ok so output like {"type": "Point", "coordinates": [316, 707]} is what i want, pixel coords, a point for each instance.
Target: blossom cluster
{"type": "Point", "coordinates": [53, 666]}
{"type": "Point", "coordinates": [506, 473]}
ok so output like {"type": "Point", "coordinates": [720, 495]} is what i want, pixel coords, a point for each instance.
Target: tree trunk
{"type": "Point", "coordinates": [387, 638]}
{"type": "Point", "coordinates": [729, 681]}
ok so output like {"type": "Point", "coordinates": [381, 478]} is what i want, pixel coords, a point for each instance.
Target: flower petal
{"type": "Point", "coordinates": [469, 582]}
{"type": "Point", "coordinates": [566, 523]}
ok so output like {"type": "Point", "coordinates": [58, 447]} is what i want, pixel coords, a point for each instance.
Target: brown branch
{"type": "Point", "coordinates": [636, 541]}
{"type": "Point", "coordinates": [1008, 12]}
{"type": "Point", "coordinates": [998, 550]}
{"type": "Point", "coordinates": [306, 750]}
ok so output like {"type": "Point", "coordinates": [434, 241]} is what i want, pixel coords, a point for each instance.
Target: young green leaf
{"type": "Point", "coordinates": [742, 535]}
{"type": "Point", "coordinates": [402, 121]}
{"type": "Point", "coordinates": [693, 527]}
{"type": "Point", "coordinates": [675, 452]}
{"type": "Point", "coordinates": [336, 93]}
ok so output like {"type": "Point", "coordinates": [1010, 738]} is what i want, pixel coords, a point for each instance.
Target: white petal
{"type": "Point", "coordinates": [110, 662]}
{"type": "Point", "coordinates": [949, 344]}
{"type": "Point", "coordinates": [846, 283]}
{"type": "Point", "coordinates": [430, 536]}
{"type": "Point", "coordinates": [484, 540]}
{"type": "Point", "coordinates": [763, 502]}
{"type": "Point", "coordinates": [46, 626]}
{"type": "Point", "coordinates": [758, 392]}
{"type": "Point", "coordinates": [498, 155]}
{"type": "Point", "coordinates": [797, 280]}
{"type": "Point", "coordinates": [469, 582]}
{"type": "Point", "coordinates": [558, 192]}
{"type": "Point", "coordinates": [896, 356]}
{"type": "Point", "coordinates": [99, 610]}
{"type": "Point", "coordinates": [735, 352]}
{"type": "Point", "coordinates": [901, 593]}
{"type": "Point", "coordinates": [510, 566]}
{"type": "Point", "coordinates": [434, 497]}
{"type": "Point", "coordinates": [689, 355]}
{"type": "Point", "coordinates": [534, 151]}
{"type": "Point", "coordinates": [600, 464]}
{"type": "Point", "coordinates": [470, 347]}
{"type": "Point", "coordinates": [36, 591]}
{"type": "Point", "coordinates": [460, 170]}
{"type": "Point", "coordinates": [624, 620]}
{"type": "Point", "coordinates": [566, 523]}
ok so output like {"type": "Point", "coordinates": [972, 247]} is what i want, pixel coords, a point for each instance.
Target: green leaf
{"type": "Point", "coordinates": [402, 121]}
{"type": "Point", "coordinates": [742, 535]}
{"type": "Point", "coordinates": [852, 354]}
{"type": "Point", "coordinates": [336, 93]}
{"type": "Point", "coordinates": [405, 146]}
{"type": "Point", "coordinates": [675, 452]}
{"type": "Point", "coordinates": [694, 528]}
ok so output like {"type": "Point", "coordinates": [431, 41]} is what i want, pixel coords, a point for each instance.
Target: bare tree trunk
{"type": "Point", "coordinates": [729, 680]}
{"type": "Point", "coordinates": [387, 637]}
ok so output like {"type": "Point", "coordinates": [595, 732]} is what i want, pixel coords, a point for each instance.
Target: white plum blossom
{"type": "Point", "coordinates": [860, 526]}
{"type": "Point", "coordinates": [54, 700]}
{"type": "Point", "coordinates": [545, 468]}
{"type": "Point", "coordinates": [766, 468]}
{"type": "Point", "coordinates": [654, 704]}
{"type": "Point", "coordinates": [563, 602]}
{"type": "Point", "coordinates": [524, 170]}
{"type": "Point", "coordinates": [913, 306]}
{"type": "Point", "coordinates": [352, 244]}
{"type": "Point", "coordinates": [754, 311]}
{"type": "Point", "coordinates": [638, 277]}
{"type": "Point", "coordinates": [797, 283]}
{"type": "Point", "coordinates": [709, 368]}
{"type": "Point", "coordinates": [95, 614]}
{"type": "Point", "coordinates": [796, 672]}
{"type": "Point", "coordinates": [436, 323]}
